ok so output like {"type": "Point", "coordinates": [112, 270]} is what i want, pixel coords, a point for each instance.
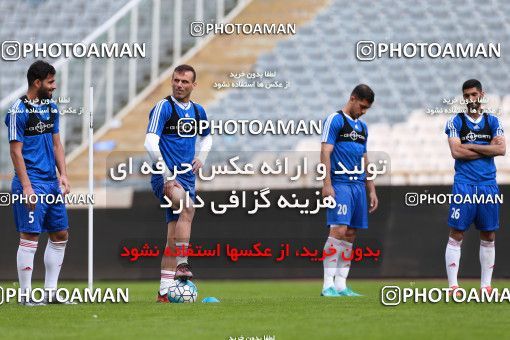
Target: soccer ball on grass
{"type": "Point", "coordinates": [182, 291]}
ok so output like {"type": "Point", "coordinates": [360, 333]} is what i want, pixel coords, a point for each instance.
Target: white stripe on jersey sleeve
{"type": "Point", "coordinates": [453, 130]}
{"type": "Point", "coordinates": [153, 126]}
{"type": "Point", "coordinates": [11, 135]}
{"type": "Point", "coordinates": [499, 130]}
{"type": "Point", "coordinates": [12, 121]}
{"type": "Point", "coordinates": [325, 131]}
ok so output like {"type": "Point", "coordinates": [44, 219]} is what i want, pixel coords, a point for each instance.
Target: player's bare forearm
{"type": "Point", "coordinates": [488, 150]}
{"type": "Point", "coordinates": [58, 150]}
{"type": "Point", "coordinates": [459, 151]}
{"type": "Point", "coordinates": [327, 165]}
{"type": "Point", "coordinates": [466, 154]}
{"type": "Point", "coordinates": [325, 159]}
{"type": "Point", "coordinates": [60, 161]}
{"type": "Point", "coordinates": [496, 148]}
{"type": "Point", "coordinates": [19, 163]}
{"type": "Point", "coordinates": [370, 186]}
{"type": "Point", "coordinates": [372, 196]}
{"type": "Point", "coordinates": [21, 170]}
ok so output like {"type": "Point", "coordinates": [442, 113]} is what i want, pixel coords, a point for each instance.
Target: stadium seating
{"type": "Point", "coordinates": [320, 64]}
{"type": "Point", "coordinates": [49, 21]}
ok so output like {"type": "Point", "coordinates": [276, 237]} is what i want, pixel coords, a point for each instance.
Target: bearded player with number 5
{"type": "Point", "coordinates": [34, 139]}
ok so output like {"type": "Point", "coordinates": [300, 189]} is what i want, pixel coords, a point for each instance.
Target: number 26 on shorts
{"type": "Point", "coordinates": [455, 213]}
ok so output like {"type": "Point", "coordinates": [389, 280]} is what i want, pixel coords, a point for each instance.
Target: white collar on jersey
{"type": "Point", "coordinates": [349, 117]}
{"type": "Point", "coordinates": [181, 105]}
{"type": "Point", "coordinates": [474, 121]}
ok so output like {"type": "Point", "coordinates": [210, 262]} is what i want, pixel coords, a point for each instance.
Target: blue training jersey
{"type": "Point", "coordinates": [480, 171]}
{"type": "Point", "coordinates": [349, 138]}
{"type": "Point", "coordinates": [176, 149]}
{"type": "Point", "coordinates": [34, 126]}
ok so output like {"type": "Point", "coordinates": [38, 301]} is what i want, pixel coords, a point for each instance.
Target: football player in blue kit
{"type": "Point", "coordinates": [171, 136]}
{"type": "Point", "coordinates": [35, 147]}
{"type": "Point", "coordinates": [475, 138]}
{"type": "Point", "coordinates": [344, 141]}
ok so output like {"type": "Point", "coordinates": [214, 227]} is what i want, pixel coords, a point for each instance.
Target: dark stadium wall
{"type": "Point", "coordinates": [411, 240]}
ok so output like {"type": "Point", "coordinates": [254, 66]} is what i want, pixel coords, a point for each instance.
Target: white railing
{"type": "Point", "coordinates": [119, 83]}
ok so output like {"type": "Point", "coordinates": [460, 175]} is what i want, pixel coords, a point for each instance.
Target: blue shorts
{"type": "Point", "coordinates": [351, 206]}
{"type": "Point", "coordinates": [485, 216]}
{"type": "Point", "coordinates": [158, 186]}
{"type": "Point", "coordinates": [46, 217]}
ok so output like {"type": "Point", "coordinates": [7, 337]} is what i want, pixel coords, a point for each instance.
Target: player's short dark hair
{"type": "Point", "coordinates": [363, 92]}
{"type": "Point", "coordinates": [39, 70]}
{"type": "Point", "coordinates": [468, 84]}
{"type": "Point", "coordinates": [184, 68]}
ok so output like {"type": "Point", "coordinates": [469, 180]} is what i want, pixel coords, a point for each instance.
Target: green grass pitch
{"type": "Point", "coordinates": [290, 309]}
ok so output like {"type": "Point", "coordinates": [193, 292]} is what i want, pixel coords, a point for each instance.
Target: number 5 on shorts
{"type": "Point", "coordinates": [31, 217]}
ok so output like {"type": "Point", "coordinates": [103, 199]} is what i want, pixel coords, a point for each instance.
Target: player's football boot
{"type": "Point", "coordinates": [329, 292]}
{"type": "Point", "coordinates": [183, 272]}
{"type": "Point", "coordinates": [55, 301]}
{"type": "Point", "coordinates": [162, 298]}
{"type": "Point", "coordinates": [29, 303]}
{"type": "Point", "coordinates": [348, 292]}
{"type": "Point", "coordinates": [487, 288]}
{"type": "Point", "coordinates": [457, 293]}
